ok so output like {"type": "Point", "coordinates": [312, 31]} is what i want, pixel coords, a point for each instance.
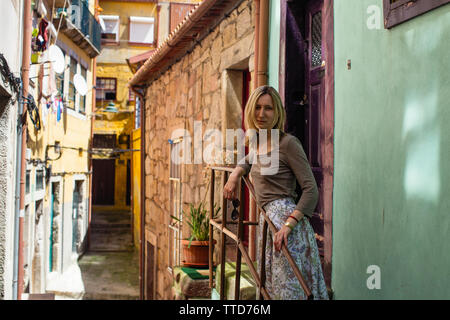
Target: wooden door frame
{"type": "Point", "coordinates": [150, 237]}
{"type": "Point", "coordinates": [328, 142]}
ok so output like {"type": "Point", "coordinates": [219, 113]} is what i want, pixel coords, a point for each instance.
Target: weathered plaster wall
{"type": "Point", "coordinates": [10, 47]}
{"type": "Point", "coordinates": [392, 147]}
{"type": "Point", "coordinates": [197, 88]}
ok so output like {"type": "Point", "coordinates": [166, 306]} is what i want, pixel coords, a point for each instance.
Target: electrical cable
{"type": "Point", "coordinates": [8, 76]}
{"type": "Point", "coordinates": [33, 111]}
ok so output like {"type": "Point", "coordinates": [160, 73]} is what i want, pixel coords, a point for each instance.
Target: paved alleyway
{"type": "Point", "coordinates": [110, 268]}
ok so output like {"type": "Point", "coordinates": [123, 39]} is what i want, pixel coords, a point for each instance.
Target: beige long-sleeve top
{"type": "Point", "coordinates": [292, 164]}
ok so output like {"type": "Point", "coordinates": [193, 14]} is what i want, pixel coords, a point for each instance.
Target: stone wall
{"type": "Point", "coordinates": [202, 86]}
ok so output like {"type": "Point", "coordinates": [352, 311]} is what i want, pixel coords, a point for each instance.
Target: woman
{"type": "Point", "coordinates": [275, 193]}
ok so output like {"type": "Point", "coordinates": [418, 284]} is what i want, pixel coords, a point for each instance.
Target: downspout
{"type": "Point", "coordinates": [17, 181]}
{"type": "Point", "coordinates": [263, 42]}
{"type": "Point", "coordinates": [22, 137]}
{"type": "Point", "coordinates": [142, 204]}
{"type": "Point", "coordinates": [93, 107]}
{"type": "Point", "coordinates": [261, 58]}
{"type": "Point", "coordinates": [256, 53]}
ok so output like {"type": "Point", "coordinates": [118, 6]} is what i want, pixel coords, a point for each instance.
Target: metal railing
{"type": "Point", "coordinates": [241, 251]}
{"type": "Point", "coordinates": [85, 21]}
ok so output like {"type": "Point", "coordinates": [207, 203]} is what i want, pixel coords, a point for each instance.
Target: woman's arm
{"type": "Point", "coordinates": [230, 188]}
{"type": "Point", "coordinates": [298, 162]}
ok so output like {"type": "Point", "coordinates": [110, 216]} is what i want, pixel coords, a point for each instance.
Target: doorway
{"type": "Point", "coordinates": [103, 182]}
{"type": "Point", "coordinates": [307, 87]}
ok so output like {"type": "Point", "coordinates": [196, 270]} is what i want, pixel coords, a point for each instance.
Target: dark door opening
{"type": "Point", "coordinates": [307, 80]}
{"type": "Point", "coordinates": [103, 182]}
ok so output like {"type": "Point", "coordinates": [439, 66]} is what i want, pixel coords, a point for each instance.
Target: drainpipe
{"type": "Point", "coordinates": [256, 55]}
{"type": "Point", "coordinates": [21, 150]}
{"type": "Point", "coordinates": [263, 42]}
{"type": "Point", "coordinates": [142, 204]}
{"type": "Point", "coordinates": [261, 58]}
{"type": "Point", "coordinates": [94, 76]}
{"type": "Point", "coordinates": [94, 72]}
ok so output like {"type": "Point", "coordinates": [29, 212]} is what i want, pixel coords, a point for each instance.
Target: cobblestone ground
{"type": "Point", "coordinates": [110, 268]}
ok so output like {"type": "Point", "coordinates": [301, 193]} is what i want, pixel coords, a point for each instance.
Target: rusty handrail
{"type": "Point", "coordinates": [241, 251]}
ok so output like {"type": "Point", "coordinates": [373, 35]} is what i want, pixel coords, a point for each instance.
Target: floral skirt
{"type": "Point", "coordinates": [281, 282]}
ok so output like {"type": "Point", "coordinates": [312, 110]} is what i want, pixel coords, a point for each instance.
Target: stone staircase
{"type": "Point", "coordinates": [110, 267]}
{"type": "Point", "coordinates": [111, 231]}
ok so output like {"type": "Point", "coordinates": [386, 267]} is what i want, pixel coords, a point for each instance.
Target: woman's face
{"type": "Point", "coordinates": [264, 112]}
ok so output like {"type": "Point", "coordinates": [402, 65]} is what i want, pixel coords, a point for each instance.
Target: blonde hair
{"type": "Point", "coordinates": [280, 114]}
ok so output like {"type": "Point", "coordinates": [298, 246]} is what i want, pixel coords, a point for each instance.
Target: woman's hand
{"type": "Point", "coordinates": [230, 188]}
{"type": "Point", "coordinates": [281, 237]}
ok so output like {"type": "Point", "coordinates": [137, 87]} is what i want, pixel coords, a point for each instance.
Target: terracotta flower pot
{"type": "Point", "coordinates": [197, 255]}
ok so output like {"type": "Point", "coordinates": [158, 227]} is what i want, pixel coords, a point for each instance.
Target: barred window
{"type": "Point", "coordinates": [106, 89]}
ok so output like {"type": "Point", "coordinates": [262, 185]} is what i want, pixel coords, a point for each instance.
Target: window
{"type": "Point", "coordinates": [137, 114]}
{"type": "Point", "coordinates": [175, 227]}
{"type": "Point", "coordinates": [399, 11]}
{"type": "Point", "coordinates": [106, 89]}
{"type": "Point", "coordinates": [106, 141]}
{"type": "Point", "coordinates": [27, 182]}
{"type": "Point", "coordinates": [131, 96]}
{"type": "Point", "coordinates": [60, 82]}
{"type": "Point", "coordinates": [82, 107]}
{"type": "Point", "coordinates": [40, 179]}
{"type": "Point", "coordinates": [110, 26]}
{"type": "Point", "coordinates": [178, 12]}
{"type": "Point", "coordinates": [72, 91]}
{"type": "Point", "coordinates": [141, 30]}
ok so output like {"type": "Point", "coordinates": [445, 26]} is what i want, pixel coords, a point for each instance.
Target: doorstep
{"type": "Point", "coordinates": [190, 284]}
{"type": "Point", "coordinates": [247, 283]}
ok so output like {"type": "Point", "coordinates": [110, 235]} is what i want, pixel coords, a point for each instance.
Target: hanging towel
{"type": "Point", "coordinates": [59, 111]}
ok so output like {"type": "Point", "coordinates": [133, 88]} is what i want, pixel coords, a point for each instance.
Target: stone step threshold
{"type": "Point", "coordinates": [186, 288]}
{"type": "Point", "coordinates": [108, 296]}
{"type": "Point", "coordinates": [110, 226]}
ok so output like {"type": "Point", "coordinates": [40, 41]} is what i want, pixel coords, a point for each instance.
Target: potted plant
{"type": "Point", "coordinates": [196, 247]}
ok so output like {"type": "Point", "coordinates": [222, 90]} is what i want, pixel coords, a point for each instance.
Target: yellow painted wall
{"type": "Point", "coordinates": [120, 123]}
{"type": "Point", "coordinates": [112, 64]}
{"type": "Point", "coordinates": [136, 185]}
{"type": "Point", "coordinates": [72, 131]}
{"type": "Point", "coordinates": [118, 53]}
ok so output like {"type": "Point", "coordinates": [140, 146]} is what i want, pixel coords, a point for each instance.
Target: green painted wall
{"type": "Point", "coordinates": [392, 151]}
{"type": "Point", "coordinates": [274, 43]}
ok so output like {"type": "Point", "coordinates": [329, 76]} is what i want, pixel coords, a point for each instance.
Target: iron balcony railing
{"type": "Point", "coordinates": [221, 225]}
{"type": "Point", "coordinates": [84, 20]}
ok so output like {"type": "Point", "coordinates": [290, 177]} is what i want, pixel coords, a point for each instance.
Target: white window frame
{"type": "Point", "coordinates": [175, 196]}
{"type": "Point", "coordinates": [83, 178]}
{"type": "Point", "coordinates": [56, 179]}
{"type": "Point", "coordinates": [136, 25]}
{"type": "Point", "coordinates": [116, 28]}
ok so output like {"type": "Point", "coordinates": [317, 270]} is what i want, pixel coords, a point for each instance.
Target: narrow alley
{"type": "Point", "coordinates": [110, 267]}
{"type": "Point", "coordinates": [134, 139]}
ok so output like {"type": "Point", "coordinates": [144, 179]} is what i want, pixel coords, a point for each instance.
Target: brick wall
{"type": "Point", "coordinates": [203, 86]}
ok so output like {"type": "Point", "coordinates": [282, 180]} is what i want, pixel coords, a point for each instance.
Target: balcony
{"type": "Point", "coordinates": [81, 27]}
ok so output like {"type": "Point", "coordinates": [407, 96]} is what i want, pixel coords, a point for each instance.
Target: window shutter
{"type": "Point", "coordinates": [142, 29]}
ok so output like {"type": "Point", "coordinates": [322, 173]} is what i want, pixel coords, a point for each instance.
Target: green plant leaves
{"type": "Point", "coordinates": [198, 221]}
